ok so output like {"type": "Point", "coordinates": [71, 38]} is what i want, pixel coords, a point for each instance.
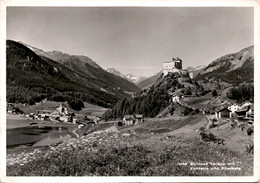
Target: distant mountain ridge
{"type": "Point", "coordinates": [232, 68]}
{"type": "Point", "coordinates": [31, 77]}
{"type": "Point", "coordinates": [85, 66]}
{"type": "Point", "coordinates": [60, 56]}
{"type": "Point", "coordinates": [116, 72]}
{"type": "Point", "coordinates": [135, 79]}
{"type": "Point", "coordinates": [130, 77]}
{"type": "Point", "coordinates": [149, 81]}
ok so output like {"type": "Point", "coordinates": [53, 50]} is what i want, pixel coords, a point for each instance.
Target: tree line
{"type": "Point", "coordinates": [241, 93]}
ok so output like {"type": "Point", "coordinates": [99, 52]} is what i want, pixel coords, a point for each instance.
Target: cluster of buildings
{"type": "Point", "coordinates": [244, 112]}
{"type": "Point", "coordinates": [60, 114]}
{"type": "Point", "coordinates": [10, 108]}
{"type": "Point", "coordinates": [133, 119]}
{"type": "Point", "coordinates": [175, 66]}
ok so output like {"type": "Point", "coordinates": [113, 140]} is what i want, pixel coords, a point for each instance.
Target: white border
{"type": "Point", "coordinates": [129, 3]}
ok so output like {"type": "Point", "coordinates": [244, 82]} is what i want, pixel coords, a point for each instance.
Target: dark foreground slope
{"type": "Point", "coordinates": [30, 78]}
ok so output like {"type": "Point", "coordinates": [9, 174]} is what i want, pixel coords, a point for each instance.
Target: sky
{"type": "Point", "coordinates": [135, 40]}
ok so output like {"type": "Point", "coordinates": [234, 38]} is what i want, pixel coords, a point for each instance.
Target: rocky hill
{"type": "Point", "coordinates": [231, 69]}
{"type": "Point", "coordinates": [155, 98]}
{"type": "Point", "coordinates": [31, 77]}
{"type": "Point", "coordinates": [195, 70]}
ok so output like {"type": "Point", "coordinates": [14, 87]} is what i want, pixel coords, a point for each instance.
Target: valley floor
{"type": "Point", "coordinates": [158, 147]}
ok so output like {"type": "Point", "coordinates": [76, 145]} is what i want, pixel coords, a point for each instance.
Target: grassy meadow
{"type": "Point", "coordinates": [165, 148]}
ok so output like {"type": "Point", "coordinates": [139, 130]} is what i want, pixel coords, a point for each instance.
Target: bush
{"type": "Point", "coordinates": [250, 131]}
{"type": "Point", "coordinates": [187, 111]}
{"type": "Point", "coordinates": [172, 110]}
{"type": "Point", "coordinates": [250, 148]}
{"type": "Point", "coordinates": [120, 123]}
{"type": "Point", "coordinates": [214, 93]}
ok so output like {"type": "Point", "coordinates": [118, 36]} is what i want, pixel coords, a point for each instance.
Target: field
{"type": "Point", "coordinates": [163, 147]}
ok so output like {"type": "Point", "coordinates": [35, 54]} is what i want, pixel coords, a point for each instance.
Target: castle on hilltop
{"type": "Point", "coordinates": [173, 66]}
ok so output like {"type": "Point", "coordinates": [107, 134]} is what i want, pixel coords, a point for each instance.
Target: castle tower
{"type": "Point", "coordinates": [173, 66]}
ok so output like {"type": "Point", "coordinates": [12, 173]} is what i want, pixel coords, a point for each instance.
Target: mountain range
{"type": "Point", "coordinates": [33, 74]}
{"type": "Point", "coordinates": [129, 77]}
{"type": "Point", "coordinates": [153, 100]}
{"type": "Point", "coordinates": [231, 69]}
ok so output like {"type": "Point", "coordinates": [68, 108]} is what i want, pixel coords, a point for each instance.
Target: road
{"type": "Point", "coordinates": [74, 131]}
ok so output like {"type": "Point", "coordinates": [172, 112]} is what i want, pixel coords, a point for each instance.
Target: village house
{"type": "Point", "coordinates": [223, 113]}
{"type": "Point", "coordinates": [244, 112]}
{"type": "Point", "coordinates": [139, 118]}
{"type": "Point", "coordinates": [9, 107]}
{"type": "Point", "coordinates": [43, 115]}
{"type": "Point", "coordinates": [133, 119]}
{"type": "Point", "coordinates": [175, 99]}
{"type": "Point", "coordinates": [62, 114]}
{"type": "Point", "coordinates": [128, 120]}
{"type": "Point", "coordinates": [233, 108]}
{"type": "Point", "coordinates": [65, 118]}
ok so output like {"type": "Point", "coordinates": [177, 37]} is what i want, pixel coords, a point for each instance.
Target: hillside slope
{"type": "Point", "coordinates": [30, 78]}
{"type": "Point", "coordinates": [85, 66]}
{"type": "Point", "coordinates": [149, 81]}
{"type": "Point", "coordinates": [116, 72]}
{"type": "Point", "coordinates": [233, 68]}
{"type": "Point", "coordinates": [154, 99]}
{"type": "Point", "coordinates": [195, 70]}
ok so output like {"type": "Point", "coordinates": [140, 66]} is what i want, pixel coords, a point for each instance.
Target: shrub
{"type": "Point", "coordinates": [120, 123]}
{"type": "Point", "coordinates": [214, 93]}
{"type": "Point", "coordinates": [250, 148]}
{"type": "Point", "coordinates": [172, 110]}
{"type": "Point", "coordinates": [187, 111]}
{"type": "Point", "coordinates": [250, 131]}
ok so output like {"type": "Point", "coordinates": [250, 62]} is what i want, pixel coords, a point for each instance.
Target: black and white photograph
{"type": "Point", "coordinates": [129, 91]}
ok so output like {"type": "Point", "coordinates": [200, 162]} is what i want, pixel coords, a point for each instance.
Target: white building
{"type": "Point", "coordinates": [173, 66]}
{"type": "Point", "coordinates": [175, 99]}
{"type": "Point", "coordinates": [233, 108]}
{"type": "Point", "coordinates": [191, 75]}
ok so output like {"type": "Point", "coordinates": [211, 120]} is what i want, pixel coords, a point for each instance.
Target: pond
{"type": "Point", "coordinates": [35, 136]}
